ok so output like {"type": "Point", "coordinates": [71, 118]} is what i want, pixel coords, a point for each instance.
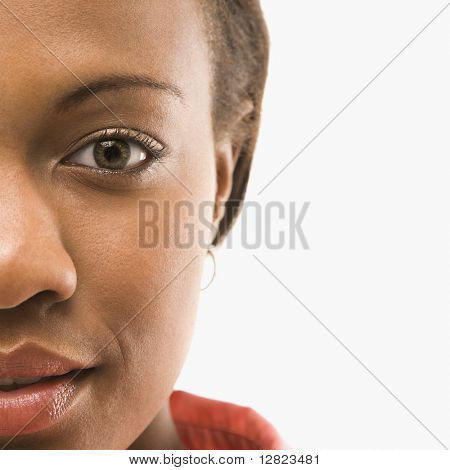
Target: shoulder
{"type": "Point", "coordinates": [204, 423]}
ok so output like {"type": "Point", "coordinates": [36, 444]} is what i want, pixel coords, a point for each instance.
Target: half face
{"type": "Point", "coordinates": [81, 294]}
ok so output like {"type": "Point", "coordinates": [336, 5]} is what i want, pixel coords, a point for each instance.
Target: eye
{"type": "Point", "coordinates": [110, 155]}
{"type": "Point", "coordinates": [121, 153]}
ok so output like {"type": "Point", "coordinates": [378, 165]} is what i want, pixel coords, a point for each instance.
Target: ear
{"type": "Point", "coordinates": [228, 149]}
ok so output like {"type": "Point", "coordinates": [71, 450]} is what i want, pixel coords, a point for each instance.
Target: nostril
{"type": "Point", "coordinates": [41, 303]}
{"type": "Point", "coordinates": [46, 297]}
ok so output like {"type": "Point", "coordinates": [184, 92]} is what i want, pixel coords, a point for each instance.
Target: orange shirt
{"type": "Point", "coordinates": [204, 424]}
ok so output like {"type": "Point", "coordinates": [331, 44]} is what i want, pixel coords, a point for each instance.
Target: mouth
{"type": "Point", "coordinates": [37, 389]}
{"type": "Point", "coordinates": [8, 384]}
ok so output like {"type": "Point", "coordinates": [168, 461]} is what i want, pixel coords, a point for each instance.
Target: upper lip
{"type": "Point", "coordinates": [31, 360]}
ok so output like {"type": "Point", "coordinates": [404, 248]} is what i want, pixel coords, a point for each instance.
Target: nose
{"type": "Point", "coordinates": [32, 256]}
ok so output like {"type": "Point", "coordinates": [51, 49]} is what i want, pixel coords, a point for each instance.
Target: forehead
{"type": "Point", "coordinates": [47, 44]}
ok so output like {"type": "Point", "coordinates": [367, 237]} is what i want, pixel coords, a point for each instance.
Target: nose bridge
{"type": "Point", "coordinates": [32, 256]}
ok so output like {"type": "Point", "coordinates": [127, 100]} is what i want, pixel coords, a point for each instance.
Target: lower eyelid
{"type": "Point", "coordinates": [114, 181]}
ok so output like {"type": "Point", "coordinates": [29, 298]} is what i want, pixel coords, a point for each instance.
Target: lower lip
{"type": "Point", "coordinates": [37, 406]}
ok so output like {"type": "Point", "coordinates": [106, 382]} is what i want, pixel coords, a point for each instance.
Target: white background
{"type": "Point", "coordinates": [377, 272]}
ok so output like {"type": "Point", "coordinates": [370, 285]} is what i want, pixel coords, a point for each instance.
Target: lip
{"type": "Point", "coordinates": [38, 406]}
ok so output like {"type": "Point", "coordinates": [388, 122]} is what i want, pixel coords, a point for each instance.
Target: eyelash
{"type": "Point", "coordinates": [155, 149]}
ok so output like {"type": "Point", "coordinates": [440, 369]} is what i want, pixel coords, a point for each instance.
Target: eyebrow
{"type": "Point", "coordinates": [87, 90]}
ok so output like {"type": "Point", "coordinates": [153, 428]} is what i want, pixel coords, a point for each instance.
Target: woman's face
{"type": "Point", "coordinates": [80, 283]}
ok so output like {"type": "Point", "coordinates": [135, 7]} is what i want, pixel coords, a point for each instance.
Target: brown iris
{"type": "Point", "coordinates": [112, 154]}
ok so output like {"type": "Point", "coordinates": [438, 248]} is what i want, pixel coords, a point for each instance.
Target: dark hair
{"type": "Point", "coordinates": [239, 45]}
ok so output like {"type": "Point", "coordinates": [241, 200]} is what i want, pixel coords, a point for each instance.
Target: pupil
{"type": "Point", "coordinates": [112, 153]}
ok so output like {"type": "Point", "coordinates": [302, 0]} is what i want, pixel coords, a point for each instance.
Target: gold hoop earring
{"type": "Point", "coordinates": [213, 258]}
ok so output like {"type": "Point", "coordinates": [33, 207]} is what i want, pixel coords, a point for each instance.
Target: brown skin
{"type": "Point", "coordinates": [71, 271]}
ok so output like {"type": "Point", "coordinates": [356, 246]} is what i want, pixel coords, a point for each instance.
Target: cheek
{"type": "Point", "coordinates": [148, 353]}
{"type": "Point", "coordinates": [140, 299]}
